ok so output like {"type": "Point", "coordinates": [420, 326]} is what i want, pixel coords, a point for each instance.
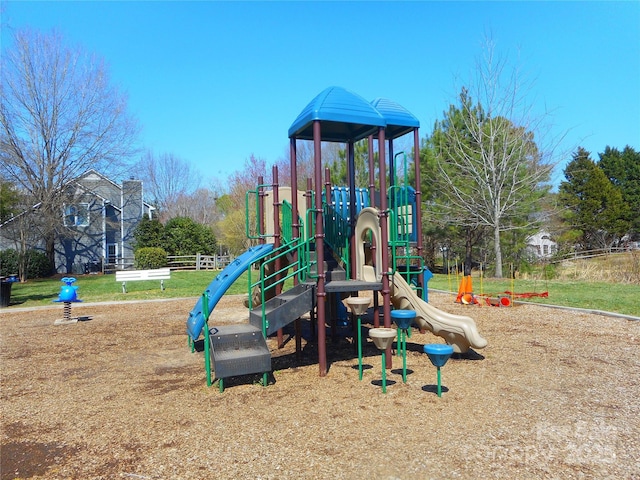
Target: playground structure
{"type": "Point", "coordinates": [330, 242]}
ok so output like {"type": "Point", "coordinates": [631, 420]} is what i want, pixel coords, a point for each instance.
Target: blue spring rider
{"type": "Point", "coordinates": [68, 294]}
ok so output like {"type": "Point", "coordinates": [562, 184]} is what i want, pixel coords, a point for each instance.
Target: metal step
{"type": "Point", "coordinates": [238, 350]}
{"type": "Point", "coordinates": [332, 270]}
{"type": "Point", "coordinates": [285, 308]}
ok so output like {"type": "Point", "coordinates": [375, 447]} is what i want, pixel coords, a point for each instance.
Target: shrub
{"type": "Point", "coordinates": [8, 262]}
{"type": "Point", "coordinates": [183, 236]}
{"type": "Point", "coordinates": [150, 257]}
{"type": "Point", "coordinates": [148, 233]}
{"type": "Point", "coordinates": [550, 271]}
{"type": "Point", "coordinates": [37, 263]}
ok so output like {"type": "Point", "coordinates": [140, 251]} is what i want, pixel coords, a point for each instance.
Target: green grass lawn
{"type": "Point", "coordinates": [612, 297]}
{"type": "Point", "coordinates": [104, 288]}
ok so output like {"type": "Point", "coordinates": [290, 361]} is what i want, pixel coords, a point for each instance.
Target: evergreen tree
{"type": "Point", "coordinates": [623, 170]}
{"type": "Point", "coordinates": [148, 233]}
{"type": "Point", "coordinates": [593, 205]}
{"type": "Point", "coordinates": [339, 170]}
{"type": "Point", "coordinates": [8, 200]}
{"type": "Point", "coordinates": [183, 236]}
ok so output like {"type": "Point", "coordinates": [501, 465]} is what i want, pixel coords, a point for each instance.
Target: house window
{"type": "Point", "coordinates": [76, 215]}
{"type": "Point", "coordinates": [545, 249]}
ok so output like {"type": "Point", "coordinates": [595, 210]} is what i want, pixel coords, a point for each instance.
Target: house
{"type": "Point", "coordinates": [540, 245]}
{"type": "Point", "coordinates": [99, 220]}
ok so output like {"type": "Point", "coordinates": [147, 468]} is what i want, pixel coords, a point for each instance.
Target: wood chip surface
{"type": "Point", "coordinates": [555, 394]}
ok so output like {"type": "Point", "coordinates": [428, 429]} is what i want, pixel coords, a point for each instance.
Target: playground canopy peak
{"type": "Point", "coordinates": [399, 120]}
{"type": "Point", "coordinates": [344, 116]}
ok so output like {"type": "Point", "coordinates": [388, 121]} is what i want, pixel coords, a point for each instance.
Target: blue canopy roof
{"type": "Point", "coordinates": [344, 116]}
{"type": "Point", "coordinates": [347, 117]}
{"type": "Point", "coordinates": [399, 120]}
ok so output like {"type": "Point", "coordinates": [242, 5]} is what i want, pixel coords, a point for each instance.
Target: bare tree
{"type": "Point", "coordinates": [331, 153]}
{"type": "Point", "coordinates": [59, 117]}
{"type": "Point", "coordinates": [233, 206]}
{"type": "Point", "coordinates": [491, 162]}
{"type": "Point", "coordinates": [168, 180]}
{"type": "Point", "coordinates": [23, 230]}
{"type": "Point", "coordinates": [200, 206]}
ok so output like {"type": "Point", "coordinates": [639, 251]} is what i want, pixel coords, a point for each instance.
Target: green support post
{"type": "Point", "coordinates": [359, 347]}
{"type": "Point", "coordinates": [207, 358]}
{"type": "Point", "coordinates": [384, 373]}
{"type": "Point", "coordinates": [403, 319]}
{"type": "Point", "coordinates": [403, 342]}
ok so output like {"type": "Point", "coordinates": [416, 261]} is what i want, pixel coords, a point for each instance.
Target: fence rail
{"type": "Point", "coordinates": [582, 254]}
{"type": "Point", "coordinates": [198, 262]}
{"type": "Point", "coordinates": [175, 262]}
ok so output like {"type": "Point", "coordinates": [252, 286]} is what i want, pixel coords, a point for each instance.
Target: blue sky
{"type": "Point", "coordinates": [214, 82]}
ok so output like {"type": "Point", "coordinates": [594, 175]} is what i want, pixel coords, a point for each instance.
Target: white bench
{"type": "Point", "coordinates": [125, 276]}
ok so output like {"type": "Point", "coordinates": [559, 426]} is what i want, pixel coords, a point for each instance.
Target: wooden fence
{"type": "Point", "coordinates": [198, 262]}
{"type": "Point", "coordinates": [175, 262]}
{"type": "Point", "coordinates": [582, 254]}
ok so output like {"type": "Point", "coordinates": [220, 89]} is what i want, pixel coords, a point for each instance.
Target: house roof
{"type": "Point", "coordinates": [92, 172]}
{"type": "Point", "coordinates": [76, 183]}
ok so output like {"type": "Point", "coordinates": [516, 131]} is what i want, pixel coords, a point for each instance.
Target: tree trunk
{"type": "Point", "coordinates": [497, 250]}
{"type": "Point", "coordinates": [22, 258]}
{"type": "Point", "coordinates": [468, 253]}
{"type": "Point", "coordinates": [51, 252]}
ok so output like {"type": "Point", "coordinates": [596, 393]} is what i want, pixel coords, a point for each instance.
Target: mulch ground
{"type": "Point", "coordinates": [555, 394]}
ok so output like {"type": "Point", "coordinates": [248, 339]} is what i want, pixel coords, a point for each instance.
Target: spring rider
{"type": "Point", "coordinates": [68, 294]}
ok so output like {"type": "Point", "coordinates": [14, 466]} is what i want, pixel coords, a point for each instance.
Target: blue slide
{"type": "Point", "coordinates": [221, 284]}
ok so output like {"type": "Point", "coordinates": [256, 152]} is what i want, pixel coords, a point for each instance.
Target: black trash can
{"type": "Point", "coordinates": [5, 291]}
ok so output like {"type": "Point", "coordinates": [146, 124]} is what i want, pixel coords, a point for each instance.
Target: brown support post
{"type": "Point", "coordinates": [372, 200]}
{"type": "Point", "coordinates": [276, 243]}
{"type": "Point", "coordinates": [384, 240]}
{"type": "Point", "coordinates": [327, 184]}
{"type": "Point", "coordinates": [320, 293]}
{"type": "Point", "coordinates": [416, 163]}
{"type": "Point", "coordinates": [261, 226]}
{"type": "Point", "coordinates": [392, 167]}
{"type": "Point", "coordinates": [351, 173]}
{"type": "Point", "coordinates": [376, 310]}
{"type": "Point", "coordinates": [295, 231]}
{"type": "Point", "coordinates": [330, 310]}
{"type": "Point", "coordinates": [372, 173]}
{"type": "Point", "coordinates": [309, 208]}
{"type": "Point", "coordinates": [295, 226]}
{"type": "Point", "coordinates": [392, 199]}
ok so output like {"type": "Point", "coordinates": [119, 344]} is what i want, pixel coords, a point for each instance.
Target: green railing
{"type": "Point", "coordinates": [400, 229]}
{"type": "Point", "coordinates": [253, 229]}
{"type": "Point", "coordinates": [286, 227]}
{"type": "Point", "coordinates": [287, 272]}
{"type": "Point", "coordinates": [337, 231]}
